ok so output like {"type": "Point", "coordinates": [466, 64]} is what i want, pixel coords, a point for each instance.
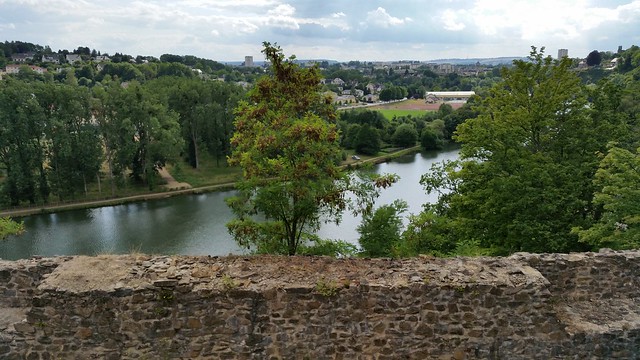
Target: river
{"type": "Point", "coordinates": [187, 225]}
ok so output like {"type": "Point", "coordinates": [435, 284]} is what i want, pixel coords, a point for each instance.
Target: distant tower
{"type": "Point", "coordinates": [563, 53]}
{"type": "Point", "coordinates": [619, 49]}
{"type": "Point", "coordinates": [248, 61]}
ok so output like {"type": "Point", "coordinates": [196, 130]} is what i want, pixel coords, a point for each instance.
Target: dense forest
{"type": "Point", "coordinates": [549, 153]}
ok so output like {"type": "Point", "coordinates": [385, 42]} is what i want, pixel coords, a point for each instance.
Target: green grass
{"type": "Point", "coordinates": [390, 113]}
{"type": "Point", "coordinates": [209, 172]}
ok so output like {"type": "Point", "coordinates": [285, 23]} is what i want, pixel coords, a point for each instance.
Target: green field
{"type": "Point", "coordinates": [390, 113]}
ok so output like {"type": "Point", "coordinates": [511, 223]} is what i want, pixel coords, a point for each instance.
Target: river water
{"type": "Point", "coordinates": [187, 225]}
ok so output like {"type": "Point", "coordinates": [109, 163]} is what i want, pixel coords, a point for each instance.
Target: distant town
{"type": "Point", "coordinates": [348, 83]}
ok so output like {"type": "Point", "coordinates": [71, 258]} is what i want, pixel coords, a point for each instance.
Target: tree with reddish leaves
{"type": "Point", "coordinates": [287, 143]}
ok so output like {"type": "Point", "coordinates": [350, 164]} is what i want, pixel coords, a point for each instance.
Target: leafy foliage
{"type": "Point", "coordinates": [527, 163]}
{"type": "Point", "coordinates": [286, 142]}
{"type": "Point", "coordinates": [381, 231]}
{"type": "Point", "coordinates": [22, 123]}
{"type": "Point", "coordinates": [10, 227]}
{"type": "Point", "coordinates": [367, 141]}
{"type": "Point", "coordinates": [405, 136]}
{"type": "Point", "coordinates": [619, 180]}
{"type": "Point", "coordinates": [594, 58]}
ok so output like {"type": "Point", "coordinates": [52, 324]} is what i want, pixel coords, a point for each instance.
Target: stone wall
{"type": "Point", "coordinates": [526, 306]}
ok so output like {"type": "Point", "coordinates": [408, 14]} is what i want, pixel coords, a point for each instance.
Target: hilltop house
{"type": "Point", "coordinates": [73, 58]}
{"type": "Point", "coordinates": [22, 57]}
{"type": "Point", "coordinates": [15, 68]}
{"type": "Point", "coordinates": [100, 58]}
{"type": "Point", "coordinates": [50, 59]}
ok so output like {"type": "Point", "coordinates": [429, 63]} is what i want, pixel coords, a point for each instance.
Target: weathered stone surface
{"type": "Point", "coordinates": [134, 307]}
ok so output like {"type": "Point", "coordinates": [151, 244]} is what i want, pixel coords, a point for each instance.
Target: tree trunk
{"type": "Point", "coordinates": [195, 150]}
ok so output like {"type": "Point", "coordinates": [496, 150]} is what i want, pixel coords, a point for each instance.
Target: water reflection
{"type": "Point", "coordinates": [191, 225]}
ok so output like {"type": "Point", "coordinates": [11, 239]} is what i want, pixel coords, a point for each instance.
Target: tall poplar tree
{"type": "Point", "coordinates": [22, 150]}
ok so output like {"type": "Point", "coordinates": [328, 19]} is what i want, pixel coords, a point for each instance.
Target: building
{"type": "Point", "coordinates": [73, 58]}
{"type": "Point", "coordinates": [14, 69]}
{"type": "Point", "coordinates": [444, 69]}
{"type": "Point", "coordinates": [100, 58]}
{"type": "Point", "coordinates": [50, 59]}
{"type": "Point", "coordinates": [22, 57]}
{"type": "Point", "coordinates": [248, 61]}
{"type": "Point", "coordinates": [563, 53]}
{"type": "Point", "coordinates": [338, 81]}
{"type": "Point", "coordinates": [433, 97]}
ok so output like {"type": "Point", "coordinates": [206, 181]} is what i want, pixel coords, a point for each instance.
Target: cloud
{"type": "Point", "coordinates": [539, 20]}
{"type": "Point", "coordinates": [382, 18]}
{"type": "Point", "coordinates": [450, 20]}
{"type": "Point", "coordinates": [282, 10]}
{"type": "Point", "coordinates": [282, 16]}
{"type": "Point", "coordinates": [384, 29]}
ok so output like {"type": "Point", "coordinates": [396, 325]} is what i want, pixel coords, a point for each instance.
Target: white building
{"type": "Point", "coordinates": [448, 96]}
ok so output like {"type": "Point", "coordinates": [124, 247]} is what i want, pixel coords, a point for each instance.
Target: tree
{"type": "Point", "coordinates": [430, 140]}
{"type": "Point", "coordinates": [205, 113]}
{"type": "Point", "coordinates": [22, 150]}
{"type": "Point", "coordinates": [527, 164]}
{"type": "Point", "coordinates": [140, 133]}
{"type": "Point", "coordinates": [74, 154]}
{"type": "Point", "coordinates": [286, 142]}
{"type": "Point", "coordinates": [619, 181]}
{"type": "Point", "coordinates": [594, 58]}
{"type": "Point", "coordinates": [155, 134]}
{"type": "Point", "coordinates": [405, 136]}
{"type": "Point", "coordinates": [381, 231]}
{"type": "Point", "coordinates": [367, 141]}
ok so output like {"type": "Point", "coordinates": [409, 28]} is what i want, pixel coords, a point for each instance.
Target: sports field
{"type": "Point", "coordinates": [390, 113]}
{"type": "Point", "coordinates": [413, 107]}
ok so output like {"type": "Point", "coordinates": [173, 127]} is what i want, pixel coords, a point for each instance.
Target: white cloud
{"type": "Point", "coordinates": [382, 18]}
{"type": "Point", "coordinates": [537, 20]}
{"type": "Point", "coordinates": [282, 16]}
{"type": "Point", "coordinates": [282, 10]}
{"type": "Point", "coordinates": [450, 20]}
{"type": "Point", "coordinates": [230, 29]}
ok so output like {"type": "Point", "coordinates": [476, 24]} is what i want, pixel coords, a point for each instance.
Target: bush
{"type": "Point", "coordinates": [10, 227]}
{"type": "Point", "coordinates": [327, 247]}
{"type": "Point", "coordinates": [380, 232]}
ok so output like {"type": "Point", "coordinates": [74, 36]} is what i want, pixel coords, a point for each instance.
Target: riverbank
{"type": "Point", "coordinates": [51, 208]}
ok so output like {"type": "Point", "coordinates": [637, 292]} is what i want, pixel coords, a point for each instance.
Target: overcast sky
{"type": "Point", "coordinates": [227, 30]}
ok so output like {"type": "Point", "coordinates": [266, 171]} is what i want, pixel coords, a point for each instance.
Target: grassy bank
{"type": "Point", "coordinates": [208, 178]}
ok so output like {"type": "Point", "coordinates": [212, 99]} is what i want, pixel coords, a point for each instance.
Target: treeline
{"type": "Point", "coordinates": [59, 137]}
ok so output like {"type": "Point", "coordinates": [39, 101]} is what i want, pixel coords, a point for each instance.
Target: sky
{"type": "Point", "coordinates": [343, 30]}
